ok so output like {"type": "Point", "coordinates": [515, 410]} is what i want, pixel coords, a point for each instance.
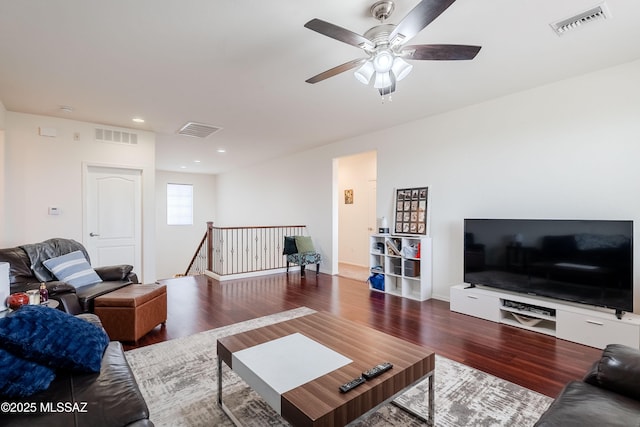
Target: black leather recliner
{"type": "Point", "coordinates": [26, 272]}
{"type": "Point", "coordinates": [609, 394]}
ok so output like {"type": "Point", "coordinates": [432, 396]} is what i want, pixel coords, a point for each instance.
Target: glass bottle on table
{"type": "Point", "coordinates": [44, 293]}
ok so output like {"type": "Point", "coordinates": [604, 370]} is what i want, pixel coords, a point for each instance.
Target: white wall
{"type": "Point", "coordinates": [176, 244]}
{"type": "Point", "coordinates": [356, 173]}
{"type": "Point", "coordinates": [295, 190]}
{"type": "Point", "coordinates": [47, 171]}
{"type": "Point", "coordinates": [565, 150]}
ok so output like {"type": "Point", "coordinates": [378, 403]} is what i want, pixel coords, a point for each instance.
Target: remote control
{"type": "Point", "coordinates": [351, 384]}
{"type": "Point", "coordinates": [377, 370]}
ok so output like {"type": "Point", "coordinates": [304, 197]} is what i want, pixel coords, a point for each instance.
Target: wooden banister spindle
{"type": "Point", "coordinates": [210, 245]}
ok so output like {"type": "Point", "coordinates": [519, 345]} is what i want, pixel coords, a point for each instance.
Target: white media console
{"type": "Point", "coordinates": [594, 327]}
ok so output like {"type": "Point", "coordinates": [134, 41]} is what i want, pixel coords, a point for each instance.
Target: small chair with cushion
{"type": "Point", "coordinates": [300, 250]}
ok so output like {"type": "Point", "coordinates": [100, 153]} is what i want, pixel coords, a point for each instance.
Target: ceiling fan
{"type": "Point", "coordinates": [385, 45]}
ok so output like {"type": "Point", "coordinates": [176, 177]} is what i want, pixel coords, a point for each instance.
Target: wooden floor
{"type": "Point", "coordinates": [355, 272]}
{"type": "Point", "coordinates": [533, 360]}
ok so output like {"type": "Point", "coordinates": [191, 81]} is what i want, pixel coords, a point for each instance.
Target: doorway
{"type": "Point", "coordinates": [356, 186]}
{"type": "Point", "coordinates": [112, 212]}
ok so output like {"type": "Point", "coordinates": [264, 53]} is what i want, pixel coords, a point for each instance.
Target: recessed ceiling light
{"type": "Point", "coordinates": [183, 167]}
{"type": "Point", "coordinates": [196, 161]}
{"type": "Point", "coordinates": [138, 119]}
{"type": "Point", "coordinates": [221, 150]}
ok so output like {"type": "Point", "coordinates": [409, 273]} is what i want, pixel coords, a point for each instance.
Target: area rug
{"type": "Point", "coordinates": [178, 379]}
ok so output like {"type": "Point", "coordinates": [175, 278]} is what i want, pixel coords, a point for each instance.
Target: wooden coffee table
{"type": "Point", "coordinates": [297, 366]}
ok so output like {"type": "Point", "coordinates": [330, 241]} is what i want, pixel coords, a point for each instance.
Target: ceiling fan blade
{"type": "Point", "coordinates": [339, 33]}
{"type": "Point", "coordinates": [419, 17]}
{"type": "Point", "coordinates": [440, 52]}
{"type": "Point", "coordinates": [336, 70]}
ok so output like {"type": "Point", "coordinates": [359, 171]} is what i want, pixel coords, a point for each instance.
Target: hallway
{"type": "Point", "coordinates": [351, 271]}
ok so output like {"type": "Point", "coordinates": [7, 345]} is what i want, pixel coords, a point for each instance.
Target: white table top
{"type": "Point", "coordinates": [283, 364]}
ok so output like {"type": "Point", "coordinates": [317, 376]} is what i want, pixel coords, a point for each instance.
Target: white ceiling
{"type": "Point", "coordinates": [242, 65]}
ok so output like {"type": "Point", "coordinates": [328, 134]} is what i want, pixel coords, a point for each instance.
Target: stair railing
{"type": "Point", "coordinates": [226, 251]}
{"type": "Point", "coordinates": [201, 260]}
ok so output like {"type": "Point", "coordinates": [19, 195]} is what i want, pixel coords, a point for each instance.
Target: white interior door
{"type": "Point", "coordinates": [113, 216]}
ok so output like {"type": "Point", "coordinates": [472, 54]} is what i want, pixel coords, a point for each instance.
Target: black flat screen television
{"type": "Point", "coordinates": [582, 261]}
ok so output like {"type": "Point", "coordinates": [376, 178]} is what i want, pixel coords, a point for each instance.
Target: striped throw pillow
{"type": "Point", "coordinates": [72, 268]}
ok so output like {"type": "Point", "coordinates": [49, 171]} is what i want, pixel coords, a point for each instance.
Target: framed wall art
{"type": "Point", "coordinates": [348, 197]}
{"type": "Point", "coordinates": [412, 211]}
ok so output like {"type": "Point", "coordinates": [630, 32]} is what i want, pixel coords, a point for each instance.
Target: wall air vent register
{"type": "Point", "coordinates": [597, 13]}
{"type": "Point", "coordinates": [116, 136]}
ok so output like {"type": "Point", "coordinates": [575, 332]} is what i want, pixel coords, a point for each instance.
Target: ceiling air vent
{"type": "Point", "coordinates": [197, 130]}
{"type": "Point", "coordinates": [597, 13]}
{"type": "Point", "coordinates": [116, 136]}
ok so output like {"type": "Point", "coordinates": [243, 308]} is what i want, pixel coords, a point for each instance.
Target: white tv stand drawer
{"type": "Point", "coordinates": [597, 329]}
{"type": "Point", "coordinates": [477, 304]}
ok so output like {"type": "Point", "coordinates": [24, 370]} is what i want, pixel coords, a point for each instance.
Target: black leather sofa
{"type": "Point", "coordinates": [609, 394]}
{"type": "Point", "coordinates": [110, 398]}
{"type": "Point", "coordinates": [26, 272]}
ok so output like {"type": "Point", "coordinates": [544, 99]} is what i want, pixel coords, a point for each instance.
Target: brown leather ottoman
{"type": "Point", "coordinates": [130, 312]}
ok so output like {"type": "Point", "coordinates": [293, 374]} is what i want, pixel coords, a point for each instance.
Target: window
{"type": "Point", "coordinates": [179, 204]}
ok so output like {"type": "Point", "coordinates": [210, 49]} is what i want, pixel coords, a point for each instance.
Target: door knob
{"type": "Point", "coordinates": [93, 234]}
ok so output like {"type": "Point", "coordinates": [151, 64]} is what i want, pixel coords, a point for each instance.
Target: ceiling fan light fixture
{"type": "Point", "coordinates": [401, 68]}
{"type": "Point", "coordinates": [383, 80]}
{"type": "Point", "coordinates": [385, 45]}
{"type": "Point", "coordinates": [364, 73]}
{"type": "Point", "coordinates": [383, 61]}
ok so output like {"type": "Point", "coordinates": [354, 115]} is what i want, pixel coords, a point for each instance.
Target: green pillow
{"type": "Point", "coordinates": [304, 244]}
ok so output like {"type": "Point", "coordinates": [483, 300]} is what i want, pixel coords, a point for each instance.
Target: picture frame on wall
{"type": "Point", "coordinates": [412, 211]}
{"type": "Point", "coordinates": [348, 197]}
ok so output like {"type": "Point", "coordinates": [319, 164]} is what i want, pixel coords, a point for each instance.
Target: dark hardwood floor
{"type": "Point", "coordinates": [533, 360]}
